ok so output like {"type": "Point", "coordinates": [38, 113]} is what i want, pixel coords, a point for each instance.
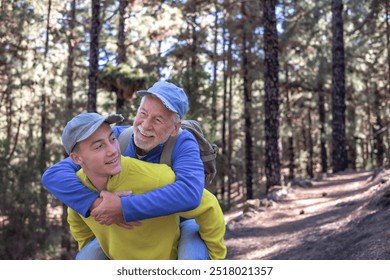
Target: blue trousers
{"type": "Point", "coordinates": [191, 246]}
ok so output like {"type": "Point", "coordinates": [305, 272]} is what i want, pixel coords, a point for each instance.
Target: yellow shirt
{"type": "Point", "coordinates": [156, 238]}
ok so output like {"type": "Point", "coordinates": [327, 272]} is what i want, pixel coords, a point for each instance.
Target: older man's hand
{"type": "Point", "coordinates": [109, 211]}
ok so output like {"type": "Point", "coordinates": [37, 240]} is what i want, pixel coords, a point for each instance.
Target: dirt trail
{"type": "Point", "coordinates": [340, 217]}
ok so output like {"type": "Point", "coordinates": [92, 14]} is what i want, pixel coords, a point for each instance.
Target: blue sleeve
{"type": "Point", "coordinates": [183, 195]}
{"type": "Point", "coordinates": [117, 129]}
{"type": "Point", "coordinates": [61, 180]}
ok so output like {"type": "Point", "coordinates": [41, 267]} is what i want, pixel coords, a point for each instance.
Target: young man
{"type": "Point", "coordinates": [91, 143]}
{"type": "Point", "coordinates": [159, 115]}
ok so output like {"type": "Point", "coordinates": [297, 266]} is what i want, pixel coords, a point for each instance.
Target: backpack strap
{"type": "Point", "coordinates": [124, 138]}
{"type": "Point", "coordinates": [166, 154]}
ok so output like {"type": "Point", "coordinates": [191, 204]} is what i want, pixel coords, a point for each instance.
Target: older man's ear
{"type": "Point", "coordinates": [176, 130]}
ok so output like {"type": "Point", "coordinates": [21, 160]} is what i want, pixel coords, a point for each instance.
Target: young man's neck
{"type": "Point", "coordinates": [100, 183]}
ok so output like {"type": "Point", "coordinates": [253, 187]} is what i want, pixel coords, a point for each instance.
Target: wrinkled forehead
{"type": "Point", "coordinates": [154, 106]}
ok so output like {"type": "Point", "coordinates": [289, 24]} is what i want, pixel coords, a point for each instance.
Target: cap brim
{"type": "Point", "coordinates": [144, 92]}
{"type": "Point", "coordinates": [114, 118]}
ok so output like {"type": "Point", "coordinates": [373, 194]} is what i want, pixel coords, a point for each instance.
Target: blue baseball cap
{"type": "Point", "coordinates": [84, 125]}
{"type": "Point", "coordinates": [173, 97]}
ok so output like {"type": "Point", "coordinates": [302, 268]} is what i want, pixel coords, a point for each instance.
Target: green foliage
{"type": "Point", "coordinates": [21, 236]}
{"type": "Point", "coordinates": [122, 79]}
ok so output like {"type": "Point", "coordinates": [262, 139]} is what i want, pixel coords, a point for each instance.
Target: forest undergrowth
{"type": "Point", "coordinates": [341, 217]}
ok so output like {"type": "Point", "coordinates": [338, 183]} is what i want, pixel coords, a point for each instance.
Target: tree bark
{"type": "Point", "coordinates": [271, 103]}
{"type": "Point", "coordinates": [322, 118]}
{"type": "Point", "coordinates": [70, 63]}
{"type": "Point", "coordinates": [94, 56]}
{"type": "Point", "coordinates": [387, 7]}
{"type": "Point", "coordinates": [224, 114]}
{"type": "Point", "coordinates": [229, 121]}
{"type": "Point", "coordinates": [247, 105]}
{"type": "Point", "coordinates": [379, 147]}
{"type": "Point", "coordinates": [43, 153]}
{"type": "Point", "coordinates": [65, 241]}
{"type": "Point", "coordinates": [215, 78]}
{"type": "Point", "coordinates": [121, 51]}
{"type": "Point", "coordinates": [290, 138]}
{"type": "Point", "coordinates": [310, 162]}
{"type": "Point", "coordinates": [339, 149]}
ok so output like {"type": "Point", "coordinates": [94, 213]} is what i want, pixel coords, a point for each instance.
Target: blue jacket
{"type": "Point", "coordinates": [183, 195]}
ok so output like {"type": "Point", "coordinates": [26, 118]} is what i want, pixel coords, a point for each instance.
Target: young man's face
{"type": "Point", "coordinates": [99, 154]}
{"type": "Point", "coordinates": [153, 124]}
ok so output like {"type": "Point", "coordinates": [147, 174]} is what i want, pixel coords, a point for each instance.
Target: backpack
{"type": "Point", "coordinates": [208, 151]}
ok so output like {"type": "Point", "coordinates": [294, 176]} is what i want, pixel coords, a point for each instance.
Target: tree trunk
{"type": "Point", "coordinates": [229, 120]}
{"type": "Point", "coordinates": [388, 46]}
{"type": "Point", "coordinates": [387, 97]}
{"type": "Point", "coordinates": [70, 63]}
{"type": "Point", "coordinates": [290, 137]}
{"type": "Point", "coordinates": [247, 105]}
{"type": "Point", "coordinates": [271, 103]}
{"type": "Point", "coordinates": [310, 162]}
{"type": "Point", "coordinates": [121, 51]}
{"type": "Point", "coordinates": [224, 116]}
{"type": "Point", "coordinates": [215, 78]}
{"type": "Point", "coordinates": [379, 148]}
{"type": "Point", "coordinates": [194, 90]}
{"type": "Point", "coordinates": [322, 119]}
{"type": "Point", "coordinates": [65, 241]}
{"type": "Point", "coordinates": [94, 56]}
{"type": "Point", "coordinates": [339, 149]}
{"type": "Point", "coordinates": [43, 153]}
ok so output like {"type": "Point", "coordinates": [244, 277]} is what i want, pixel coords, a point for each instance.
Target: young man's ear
{"type": "Point", "coordinates": [76, 158]}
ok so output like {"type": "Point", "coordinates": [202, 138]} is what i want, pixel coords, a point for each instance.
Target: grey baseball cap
{"type": "Point", "coordinates": [84, 125]}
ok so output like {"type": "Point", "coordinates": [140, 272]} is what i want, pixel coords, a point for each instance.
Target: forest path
{"type": "Point", "coordinates": [344, 216]}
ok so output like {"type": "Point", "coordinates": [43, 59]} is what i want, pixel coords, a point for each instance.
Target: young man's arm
{"type": "Point", "coordinates": [209, 216]}
{"type": "Point", "coordinates": [61, 180]}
